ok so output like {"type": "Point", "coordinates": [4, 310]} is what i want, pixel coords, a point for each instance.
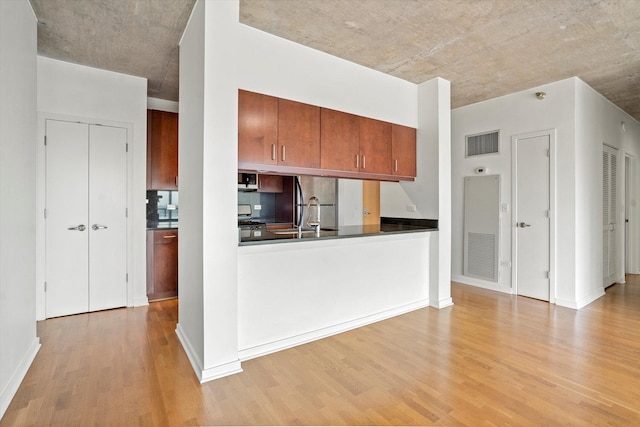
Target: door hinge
{"type": "Point", "coordinates": [45, 214]}
{"type": "Point", "coordinates": [548, 152]}
{"type": "Point", "coordinates": [45, 286]}
{"type": "Point", "coordinates": [126, 149]}
{"type": "Point", "coordinates": [126, 212]}
{"type": "Point", "coordinates": [127, 278]}
{"type": "Point", "coordinates": [45, 140]}
{"type": "Point", "coordinates": [549, 214]}
{"type": "Point", "coordinates": [548, 274]}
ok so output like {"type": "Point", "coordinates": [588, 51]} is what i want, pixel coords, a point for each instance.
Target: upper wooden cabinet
{"type": "Point", "coordinates": [355, 144]}
{"type": "Point", "coordinates": [257, 128]}
{"type": "Point", "coordinates": [298, 134]}
{"type": "Point", "coordinates": [375, 146]}
{"type": "Point", "coordinates": [403, 149]}
{"type": "Point", "coordinates": [162, 150]}
{"type": "Point", "coordinates": [292, 138]}
{"type": "Point", "coordinates": [269, 183]}
{"type": "Point", "coordinates": [340, 141]}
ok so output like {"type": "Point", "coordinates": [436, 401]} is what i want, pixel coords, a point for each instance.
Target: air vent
{"type": "Point", "coordinates": [486, 143]}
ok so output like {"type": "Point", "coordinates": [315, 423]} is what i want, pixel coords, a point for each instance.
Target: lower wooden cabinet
{"type": "Point", "coordinates": [162, 264]}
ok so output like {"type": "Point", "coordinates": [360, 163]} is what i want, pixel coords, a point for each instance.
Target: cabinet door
{"type": "Point", "coordinates": [163, 282]}
{"type": "Point", "coordinates": [375, 146]}
{"type": "Point", "coordinates": [269, 183]}
{"type": "Point", "coordinates": [403, 147]}
{"type": "Point", "coordinates": [162, 150]}
{"type": "Point", "coordinates": [339, 140]}
{"type": "Point", "coordinates": [298, 134]}
{"type": "Point", "coordinates": [257, 128]}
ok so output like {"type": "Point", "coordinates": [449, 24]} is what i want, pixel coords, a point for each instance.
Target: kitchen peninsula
{"type": "Point", "coordinates": [299, 290]}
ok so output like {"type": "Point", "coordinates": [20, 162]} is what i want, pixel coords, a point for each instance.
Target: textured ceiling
{"type": "Point", "coordinates": [137, 37]}
{"type": "Point", "coordinates": [486, 48]}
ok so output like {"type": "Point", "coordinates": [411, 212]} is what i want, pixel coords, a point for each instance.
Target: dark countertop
{"type": "Point", "coordinates": [169, 225]}
{"type": "Point", "coordinates": [386, 227]}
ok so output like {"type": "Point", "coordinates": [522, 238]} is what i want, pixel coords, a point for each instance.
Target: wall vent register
{"type": "Point", "coordinates": [486, 143]}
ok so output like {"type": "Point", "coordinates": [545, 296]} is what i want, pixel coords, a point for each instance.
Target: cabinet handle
{"type": "Point", "coordinates": [169, 236]}
{"type": "Point", "coordinates": [396, 165]}
{"type": "Point", "coordinates": [273, 151]}
{"type": "Point", "coordinates": [357, 161]}
{"type": "Point", "coordinates": [284, 152]}
{"type": "Point", "coordinates": [364, 162]}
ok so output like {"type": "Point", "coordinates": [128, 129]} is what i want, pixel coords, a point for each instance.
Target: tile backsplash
{"type": "Point", "coordinates": [162, 206]}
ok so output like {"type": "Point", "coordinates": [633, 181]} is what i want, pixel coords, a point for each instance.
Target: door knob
{"type": "Point", "coordinates": [523, 225]}
{"type": "Point", "coordinates": [81, 227]}
{"type": "Point", "coordinates": [98, 227]}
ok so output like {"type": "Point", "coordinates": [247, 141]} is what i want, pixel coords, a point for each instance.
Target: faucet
{"type": "Point", "coordinates": [311, 221]}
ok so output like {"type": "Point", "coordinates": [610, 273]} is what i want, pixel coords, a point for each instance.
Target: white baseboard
{"type": "Point", "coordinates": [140, 301]}
{"type": "Point", "coordinates": [582, 302]}
{"type": "Point", "coordinates": [208, 374]}
{"type": "Point", "coordinates": [447, 302]}
{"type": "Point", "coordinates": [492, 286]}
{"type": "Point", "coordinates": [283, 344]}
{"type": "Point", "coordinates": [11, 388]}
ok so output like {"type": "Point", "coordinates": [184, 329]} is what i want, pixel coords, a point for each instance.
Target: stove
{"type": "Point", "coordinates": [251, 224]}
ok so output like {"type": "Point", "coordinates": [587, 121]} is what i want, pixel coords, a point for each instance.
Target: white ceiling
{"type": "Point", "coordinates": [486, 48]}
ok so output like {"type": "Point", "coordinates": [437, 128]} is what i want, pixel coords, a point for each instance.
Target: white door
{"type": "Point", "coordinates": [532, 213]}
{"type": "Point", "coordinates": [107, 217]}
{"type": "Point", "coordinates": [86, 191]}
{"type": "Point", "coordinates": [609, 214]}
{"type": "Point", "coordinates": [67, 214]}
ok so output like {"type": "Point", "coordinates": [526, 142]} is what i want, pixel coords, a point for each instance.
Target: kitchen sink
{"type": "Point", "coordinates": [304, 231]}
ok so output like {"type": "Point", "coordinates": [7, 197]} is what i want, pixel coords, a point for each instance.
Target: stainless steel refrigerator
{"type": "Point", "coordinates": [326, 191]}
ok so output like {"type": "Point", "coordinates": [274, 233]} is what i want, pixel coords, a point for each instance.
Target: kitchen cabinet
{"type": "Point", "coordinates": [269, 183]}
{"type": "Point", "coordinates": [162, 264]}
{"type": "Point", "coordinates": [281, 136]}
{"type": "Point", "coordinates": [340, 141]}
{"type": "Point", "coordinates": [375, 146]}
{"type": "Point", "coordinates": [162, 150]}
{"type": "Point", "coordinates": [257, 128]}
{"type": "Point", "coordinates": [403, 150]}
{"type": "Point", "coordinates": [298, 134]}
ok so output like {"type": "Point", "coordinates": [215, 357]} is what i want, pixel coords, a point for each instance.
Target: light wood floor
{"type": "Point", "coordinates": [492, 359]}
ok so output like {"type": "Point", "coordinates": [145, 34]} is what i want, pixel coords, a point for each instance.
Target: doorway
{"type": "Point", "coordinates": [85, 217]}
{"type": "Point", "coordinates": [533, 229]}
{"type": "Point", "coordinates": [371, 203]}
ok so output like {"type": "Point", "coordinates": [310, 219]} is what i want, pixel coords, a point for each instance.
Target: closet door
{"type": "Point", "coordinates": [86, 224]}
{"type": "Point", "coordinates": [107, 217]}
{"type": "Point", "coordinates": [609, 215]}
{"type": "Point", "coordinates": [67, 212]}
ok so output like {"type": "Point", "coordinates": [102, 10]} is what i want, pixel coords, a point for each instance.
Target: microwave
{"type": "Point", "coordinates": [247, 181]}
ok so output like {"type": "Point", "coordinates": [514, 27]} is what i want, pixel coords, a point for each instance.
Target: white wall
{"type": "Point", "coordinates": [191, 139]}
{"type": "Point", "coordinates": [237, 56]}
{"type": "Point", "coordinates": [598, 122]}
{"type": "Point", "coordinates": [18, 341]}
{"type": "Point", "coordinates": [318, 292]}
{"type": "Point", "coordinates": [162, 105]}
{"type": "Point", "coordinates": [99, 96]}
{"type": "Point", "coordinates": [582, 120]}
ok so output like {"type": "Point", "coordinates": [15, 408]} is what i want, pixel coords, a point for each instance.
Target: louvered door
{"type": "Point", "coordinates": [609, 215]}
